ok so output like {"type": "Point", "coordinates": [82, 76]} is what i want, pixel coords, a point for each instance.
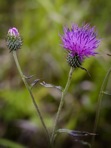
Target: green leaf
{"type": "Point", "coordinates": [10, 144]}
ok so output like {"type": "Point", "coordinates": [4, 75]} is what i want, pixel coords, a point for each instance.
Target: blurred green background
{"type": "Point", "coordinates": [40, 22]}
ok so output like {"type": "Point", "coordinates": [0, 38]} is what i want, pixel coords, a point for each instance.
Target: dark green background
{"type": "Point", "coordinates": [40, 22]}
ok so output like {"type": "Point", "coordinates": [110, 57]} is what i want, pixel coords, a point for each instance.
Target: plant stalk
{"type": "Point", "coordinates": [103, 87]}
{"type": "Point", "coordinates": [61, 104]}
{"type": "Point", "coordinates": [30, 92]}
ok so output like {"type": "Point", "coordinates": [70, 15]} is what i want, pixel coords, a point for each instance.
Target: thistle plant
{"type": "Point", "coordinates": [14, 42]}
{"type": "Point", "coordinates": [80, 43]}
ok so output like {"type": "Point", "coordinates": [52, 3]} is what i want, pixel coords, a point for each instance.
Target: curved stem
{"type": "Point", "coordinates": [61, 103]}
{"type": "Point", "coordinates": [30, 92]}
{"type": "Point", "coordinates": [103, 87]}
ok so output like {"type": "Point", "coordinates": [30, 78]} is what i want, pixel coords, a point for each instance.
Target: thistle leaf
{"type": "Point", "coordinates": [75, 133]}
{"type": "Point", "coordinates": [35, 82]}
{"type": "Point", "coordinates": [50, 85]}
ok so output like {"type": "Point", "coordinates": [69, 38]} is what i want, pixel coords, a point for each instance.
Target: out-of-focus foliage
{"type": "Point", "coordinates": [40, 22]}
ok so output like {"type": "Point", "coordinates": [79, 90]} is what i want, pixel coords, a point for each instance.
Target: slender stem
{"type": "Point", "coordinates": [103, 87]}
{"type": "Point", "coordinates": [30, 92]}
{"type": "Point", "coordinates": [61, 103]}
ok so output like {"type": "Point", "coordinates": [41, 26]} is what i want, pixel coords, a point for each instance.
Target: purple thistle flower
{"type": "Point", "coordinates": [14, 40]}
{"type": "Point", "coordinates": [13, 32]}
{"type": "Point", "coordinates": [80, 42]}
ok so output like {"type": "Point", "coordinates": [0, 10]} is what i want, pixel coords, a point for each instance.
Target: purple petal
{"type": "Point", "coordinates": [80, 40]}
{"type": "Point", "coordinates": [13, 32]}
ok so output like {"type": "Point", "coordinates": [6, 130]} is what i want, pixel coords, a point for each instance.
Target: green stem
{"type": "Point", "coordinates": [30, 92]}
{"type": "Point", "coordinates": [61, 104]}
{"type": "Point", "coordinates": [103, 87]}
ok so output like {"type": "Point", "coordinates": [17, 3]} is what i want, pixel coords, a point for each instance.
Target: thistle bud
{"type": "Point", "coordinates": [14, 40]}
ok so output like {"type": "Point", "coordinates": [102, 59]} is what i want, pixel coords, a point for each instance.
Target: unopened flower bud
{"type": "Point", "coordinates": [14, 40]}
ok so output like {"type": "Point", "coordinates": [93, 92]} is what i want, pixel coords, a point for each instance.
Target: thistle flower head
{"type": "Point", "coordinates": [14, 40]}
{"type": "Point", "coordinates": [80, 42]}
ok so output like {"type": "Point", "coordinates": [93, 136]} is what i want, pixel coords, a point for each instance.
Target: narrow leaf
{"type": "Point", "coordinates": [9, 144]}
{"type": "Point", "coordinates": [106, 93]}
{"type": "Point", "coordinates": [35, 82]}
{"type": "Point", "coordinates": [50, 85]}
{"type": "Point", "coordinates": [75, 133]}
{"type": "Point", "coordinates": [28, 77]}
{"type": "Point", "coordinates": [83, 142]}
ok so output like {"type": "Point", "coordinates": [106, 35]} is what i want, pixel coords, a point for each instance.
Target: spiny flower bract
{"type": "Point", "coordinates": [80, 42]}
